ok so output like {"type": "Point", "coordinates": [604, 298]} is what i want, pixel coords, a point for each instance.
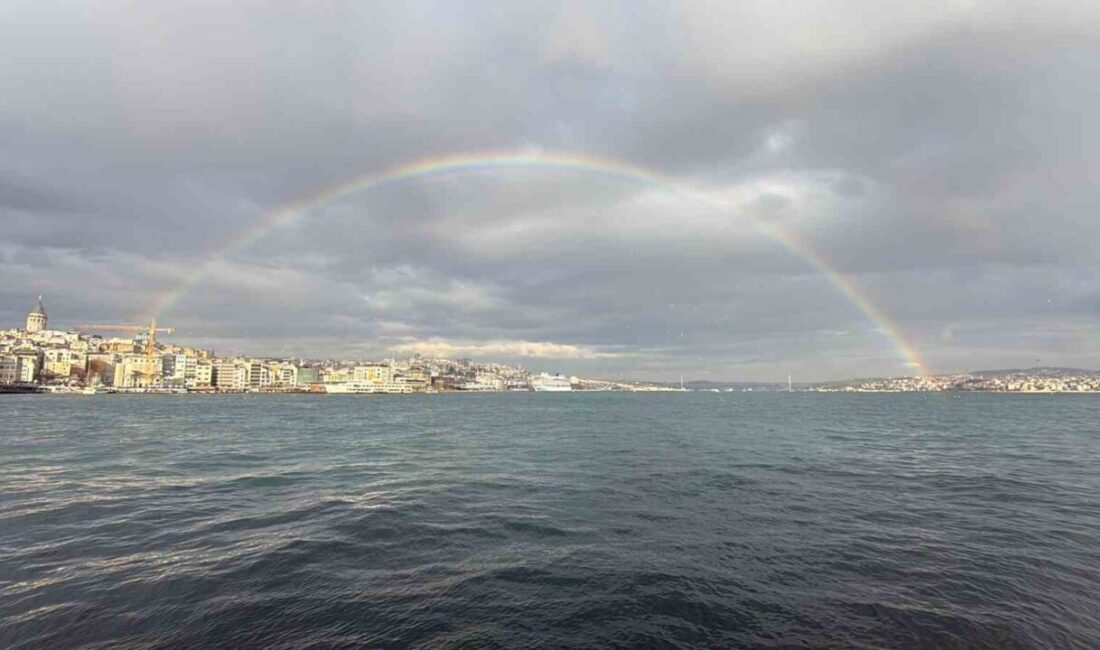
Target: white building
{"type": "Point", "coordinates": [179, 369]}
{"type": "Point", "coordinates": [377, 373]}
{"type": "Point", "coordinates": [62, 363]}
{"type": "Point", "coordinates": [204, 374]}
{"type": "Point", "coordinates": [285, 374]}
{"type": "Point", "coordinates": [255, 377]}
{"type": "Point", "coordinates": [137, 371]}
{"type": "Point", "coordinates": [230, 374]}
{"type": "Point", "coordinates": [9, 369]}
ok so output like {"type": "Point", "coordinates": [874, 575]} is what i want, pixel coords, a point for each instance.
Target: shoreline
{"type": "Point", "coordinates": [169, 393]}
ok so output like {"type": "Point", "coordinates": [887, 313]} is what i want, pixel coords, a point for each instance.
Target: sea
{"type": "Point", "coordinates": [550, 520]}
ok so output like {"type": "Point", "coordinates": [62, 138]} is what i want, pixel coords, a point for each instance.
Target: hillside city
{"type": "Point", "coordinates": [1031, 380]}
{"type": "Point", "coordinates": [39, 359]}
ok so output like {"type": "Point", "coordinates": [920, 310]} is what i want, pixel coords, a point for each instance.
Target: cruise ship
{"type": "Point", "coordinates": [550, 383]}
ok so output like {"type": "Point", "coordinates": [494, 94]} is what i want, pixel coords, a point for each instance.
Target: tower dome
{"type": "Point", "coordinates": [36, 320]}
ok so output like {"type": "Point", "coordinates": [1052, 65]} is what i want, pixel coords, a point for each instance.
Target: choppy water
{"type": "Point", "coordinates": [550, 520]}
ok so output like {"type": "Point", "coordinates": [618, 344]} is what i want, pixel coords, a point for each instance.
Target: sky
{"type": "Point", "coordinates": [820, 189]}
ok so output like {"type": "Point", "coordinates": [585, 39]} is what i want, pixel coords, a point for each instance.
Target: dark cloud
{"type": "Point", "coordinates": [939, 155]}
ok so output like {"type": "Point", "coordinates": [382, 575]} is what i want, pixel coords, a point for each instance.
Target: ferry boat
{"type": "Point", "coordinates": [367, 388]}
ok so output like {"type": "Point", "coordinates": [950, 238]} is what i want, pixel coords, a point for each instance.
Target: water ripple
{"type": "Point", "coordinates": [550, 521]}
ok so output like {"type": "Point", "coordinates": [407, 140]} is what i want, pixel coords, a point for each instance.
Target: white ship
{"type": "Point", "coordinates": [550, 383]}
{"type": "Point", "coordinates": [367, 388]}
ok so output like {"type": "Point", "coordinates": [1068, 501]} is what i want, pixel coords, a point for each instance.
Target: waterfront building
{"type": "Point", "coordinates": [307, 376]}
{"type": "Point", "coordinates": [286, 375]}
{"type": "Point", "coordinates": [137, 371]}
{"type": "Point", "coordinates": [223, 373]}
{"type": "Point", "coordinates": [256, 371]}
{"type": "Point", "coordinates": [63, 363]}
{"type": "Point", "coordinates": [447, 382]}
{"type": "Point", "coordinates": [366, 378]}
{"type": "Point", "coordinates": [30, 366]}
{"type": "Point", "coordinates": [100, 368]}
{"type": "Point", "coordinates": [204, 374]}
{"type": "Point", "coordinates": [36, 320]}
{"type": "Point", "coordinates": [517, 383]}
{"type": "Point", "coordinates": [377, 373]}
{"type": "Point", "coordinates": [417, 379]}
{"type": "Point", "coordinates": [9, 369]}
{"type": "Point", "coordinates": [336, 375]}
{"type": "Point", "coordinates": [179, 369]}
{"type": "Point", "coordinates": [268, 375]}
{"type": "Point", "coordinates": [484, 381]}
{"type": "Point", "coordinates": [240, 377]}
{"type": "Point", "coordinates": [230, 374]}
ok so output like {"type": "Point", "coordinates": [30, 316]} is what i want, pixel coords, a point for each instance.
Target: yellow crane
{"type": "Point", "coordinates": [151, 329]}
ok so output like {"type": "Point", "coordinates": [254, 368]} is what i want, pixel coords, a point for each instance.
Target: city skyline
{"type": "Point", "coordinates": [672, 190]}
{"type": "Point", "coordinates": [41, 356]}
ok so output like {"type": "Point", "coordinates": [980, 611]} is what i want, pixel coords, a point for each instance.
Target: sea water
{"type": "Point", "coordinates": [550, 520]}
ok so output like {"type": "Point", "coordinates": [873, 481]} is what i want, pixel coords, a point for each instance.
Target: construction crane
{"type": "Point", "coordinates": [151, 329]}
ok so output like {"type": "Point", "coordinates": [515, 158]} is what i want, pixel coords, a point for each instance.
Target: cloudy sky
{"type": "Point", "coordinates": [941, 158]}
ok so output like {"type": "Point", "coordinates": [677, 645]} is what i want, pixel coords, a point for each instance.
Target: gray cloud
{"type": "Point", "coordinates": [938, 154]}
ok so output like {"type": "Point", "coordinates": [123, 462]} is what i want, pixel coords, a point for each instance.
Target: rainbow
{"type": "Point", "coordinates": [614, 169]}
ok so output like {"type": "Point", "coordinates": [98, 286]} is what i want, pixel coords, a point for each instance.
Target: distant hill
{"type": "Point", "coordinates": [736, 385]}
{"type": "Point", "coordinates": [1042, 371]}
